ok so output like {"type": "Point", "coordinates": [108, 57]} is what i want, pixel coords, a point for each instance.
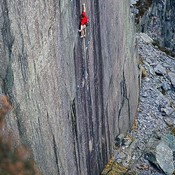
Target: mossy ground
{"type": "Point", "coordinates": [134, 125]}
{"type": "Point", "coordinates": [113, 168]}
{"type": "Point", "coordinates": [144, 73]}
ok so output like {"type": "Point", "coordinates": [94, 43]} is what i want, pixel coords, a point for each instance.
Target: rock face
{"type": "Point", "coordinates": [71, 97]}
{"type": "Point", "coordinates": [159, 23]}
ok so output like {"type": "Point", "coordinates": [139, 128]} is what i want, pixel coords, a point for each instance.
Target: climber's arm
{"type": "Point", "coordinates": [83, 8]}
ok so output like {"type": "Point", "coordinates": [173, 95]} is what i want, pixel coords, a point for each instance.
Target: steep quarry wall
{"type": "Point", "coordinates": [71, 97]}
{"type": "Point", "coordinates": [159, 23]}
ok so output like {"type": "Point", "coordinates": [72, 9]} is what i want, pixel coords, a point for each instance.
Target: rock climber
{"type": "Point", "coordinates": [83, 22]}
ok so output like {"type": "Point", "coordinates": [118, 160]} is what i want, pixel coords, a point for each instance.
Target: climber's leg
{"type": "Point", "coordinates": [83, 31]}
{"type": "Point", "coordinates": [80, 28]}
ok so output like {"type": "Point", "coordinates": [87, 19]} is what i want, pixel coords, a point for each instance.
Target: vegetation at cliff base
{"type": "Point", "coordinates": [13, 160]}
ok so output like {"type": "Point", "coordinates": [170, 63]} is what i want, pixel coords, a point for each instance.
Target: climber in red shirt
{"type": "Point", "coordinates": [83, 22]}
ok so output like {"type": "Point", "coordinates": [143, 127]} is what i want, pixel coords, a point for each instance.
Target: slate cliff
{"type": "Point", "coordinates": [159, 23]}
{"type": "Point", "coordinates": [71, 97]}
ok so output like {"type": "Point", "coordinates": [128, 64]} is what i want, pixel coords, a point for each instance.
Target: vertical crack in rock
{"type": "Point", "coordinates": [55, 152]}
{"type": "Point", "coordinates": [107, 129]}
{"type": "Point", "coordinates": [91, 146]}
{"type": "Point", "coordinates": [21, 133]}
{"type": "Point", "coordinates": [8, 41]}
{"type": "Point", "coordinates": [125, 106]}
{"type": "Point", "coordinates": [84, 101]}
{"type": "Point", "coordinates": [77, 117]}
{"type": "Point", "coordinates": [54, 146]}
{"type": "Point", "coordinates": [100, 65]}
{"type": "Point", "coordinates": [75, 134]}
{"type": "Point", "coordinates": [22, 59]}
{"type": "Point", "coordinates": [98, 83]}
{"type": "Point", "coordinates": [20, 125]}
{"type": "Point", "coordinates": [85, 95]}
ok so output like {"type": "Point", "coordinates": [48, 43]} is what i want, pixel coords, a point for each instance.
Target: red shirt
{"type": "Point", "coordinates": [84, 19]}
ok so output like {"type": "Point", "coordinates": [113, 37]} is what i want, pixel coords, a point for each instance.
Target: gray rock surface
{"type": "Point", "coordinates": [167, 111]}
{"type": "Point", "coordinates": [161, 155]}
{"type": "Point", "coordinates": [153, 129]}
{"type": "Point", "coordinates": [164, 156]}
{"type": "Point", "coordinates": [154, 103]}
{"type": "Point", "coordinates": [146, 38]}
{"type": "Point", "coordinates": [133, 1]}
{"type": "Point", "coordinates": [166, 86]}
{"type": "Point", "coordinates": [71, 97]}
{"type": "Point", "coordinates": [169, 140]}
{"type": "Point", "coordinates": [172, 78]}
{"type": "Point", "coordinates": [169, 121]}
{"type": "Point", "coordinates": [159, 23]}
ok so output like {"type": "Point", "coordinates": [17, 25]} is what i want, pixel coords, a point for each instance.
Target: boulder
{"type": "Point", "coordinates": [120, 157]}
{"type": "Point", "coordinates": [165, 86]}
{"type": "Point", "coordinates": [160, 70]}
{"type": "Point", "coordinates": [146, 38]}
{"type": "Point", "coordinates": [134, 1]}
{"type": "Point", "coordinates": [169, 139]}
{"type": "Point", "coordinates": [165, 161]}
{"type": "Point", "coordinates": [167, 111]}
{"type": "Point", "coordinates": [119, 140]}
{"type": "Point", "coordinates": [160, 153]}
{"type": "Point", "coordinates": [162, 101]}
{"type": "Point", "coordinates": [169, 121]}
